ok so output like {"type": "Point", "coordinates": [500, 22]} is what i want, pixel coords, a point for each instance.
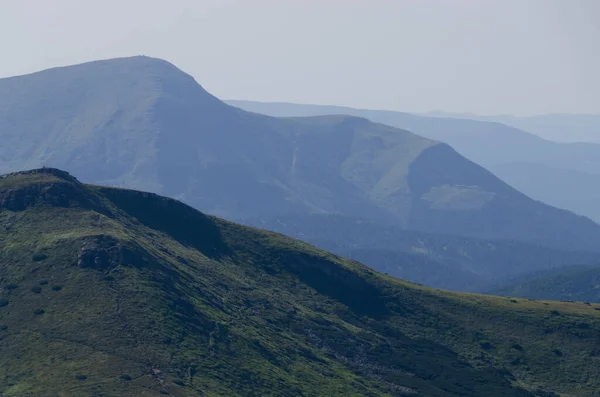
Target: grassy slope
{"type": "Point", "coordinates": [111, 292]}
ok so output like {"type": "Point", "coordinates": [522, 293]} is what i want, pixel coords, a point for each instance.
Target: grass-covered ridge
{"type": "Point", "coordinates": [119, 293]}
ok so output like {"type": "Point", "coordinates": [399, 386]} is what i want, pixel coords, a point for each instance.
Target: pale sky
{"type": "Point", "coordinates": [482, 56]}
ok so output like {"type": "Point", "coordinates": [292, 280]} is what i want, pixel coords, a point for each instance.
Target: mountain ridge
{"type": "Point", "coordinates": [102, 300]}
{"type": "Point", "coordinates": [489, 143]}
{"type": "Point", "coordinates": [560, 127]}
{"type": "Point", "coordinates": [141, 123]}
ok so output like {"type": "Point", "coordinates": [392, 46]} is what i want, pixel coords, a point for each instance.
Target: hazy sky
{"type": "Point", "coordinates": [489, 57]}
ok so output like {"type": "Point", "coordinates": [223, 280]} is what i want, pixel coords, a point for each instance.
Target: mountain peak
{"type": "Point", "coordinates": [132, 63]}
{"type": "Point", "coordinates": [39, 173]}
{"type": "Point", "coordinates": [119, 80]}
{"type": "Point", "coordinates": [44, 187]}
{"type": "Point", "coordinates": [135, 61]}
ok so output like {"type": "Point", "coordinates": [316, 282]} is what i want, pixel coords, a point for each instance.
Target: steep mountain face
{"type": "Point", "coordinates": [121, 293]}
{"type": "Point", "coordinates": [441, 261]}
{"type": "Point", "coordinates": [142, 123]}
{"type": "Point", "coordinates": [507, 151]}
{"type": "Point", "coordinates": [573, 283]}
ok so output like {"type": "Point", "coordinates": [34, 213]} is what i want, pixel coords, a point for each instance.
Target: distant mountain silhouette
{"type": "Point", "coordinates": [506, 151]}
{"type": "Point", "coordinates": [555, 127]}
{"type": "Point", "coordinates": [142, 123]}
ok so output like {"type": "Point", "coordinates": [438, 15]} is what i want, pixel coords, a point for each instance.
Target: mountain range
{"type": "Point", "coordinates": [142, 123]}
{"type": "Point", "coordinates": [554, 127]}
{"type": "Point", "coordinates": [113, 292]}
{"type": "Point", "coordinates": [559, 174]}
{"type": "Point", "coordinates": [108, 291]}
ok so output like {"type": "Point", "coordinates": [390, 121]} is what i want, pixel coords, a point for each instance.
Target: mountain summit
{"type": "Point", "coordinates": [142, 123]}
{"type": "Point", "coordinates": [115, 292]}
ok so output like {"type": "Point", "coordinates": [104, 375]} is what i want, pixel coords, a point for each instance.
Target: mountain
{"type": "Point", "coordinates": [554, 127]}
{"type": "Point", "coordinates": [142, 123]}
{"type": "Point", "coordinates": [486, 143]}
{"type": "Point", "coordinates": [116, 292]}
{"type": "Point", "coordinates": [439, 261]}
{"type": "Point", "coordinates": [574, 283]}
{"type": "Point", "coordinates": [494, 145]}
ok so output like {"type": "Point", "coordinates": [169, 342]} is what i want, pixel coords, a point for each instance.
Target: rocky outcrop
{"type": "Point", "coordinates": [105, 252]}
{"type": "Point", "coordinates": [45, 186]}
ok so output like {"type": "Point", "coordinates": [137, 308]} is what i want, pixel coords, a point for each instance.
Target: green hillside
{"type": "Point", "coordinates": [108, 292]}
